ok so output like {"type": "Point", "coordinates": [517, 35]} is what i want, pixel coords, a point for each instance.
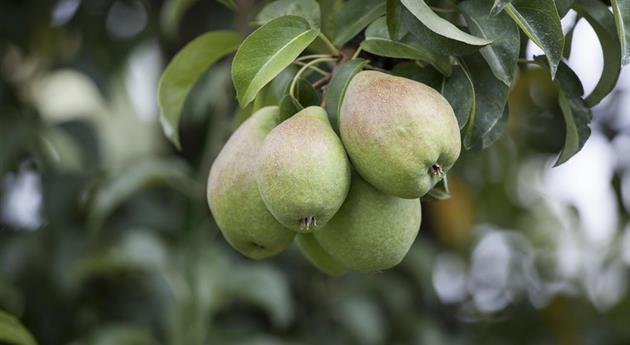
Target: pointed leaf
{"type": "Point", "coordinates": [426, 75]}
{"type": "Point", "coordinates": [13, 332]}
{"type": "Point", "coordinates": [490, 100]}
{"type": "Point", "coordinates": [354, 16]}
{"type": "Point", "coordinates": [439, 25]}
{"type": "Point", "coordinates": [336, 89]}
{"type": "Point", "coordinates": [602, 21]}
{"type": "Point", "coordinates": [184, 70]}
{"type": "Point", "coordinates": [502, 53]}
{"type": "Point", "coordinates": [266, 52]}
{"type": "Point", "coordinates": [395, 25]}
{"type": "Point", "coordinates": [539, 20]}
{"type": "Point", "coordinates": [460, 93]}
{"type": "Point", "coordinates": [621, 10]}
{"type": "Point", "coordinates": [377, 41]}
{"type": "Point", "coordinates": [329, 10]}
{"type": "Point", "coordinates": [307, 9]}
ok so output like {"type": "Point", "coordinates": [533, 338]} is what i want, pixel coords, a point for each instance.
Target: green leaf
{"type": "Point", "coordinates": [138, 176]}
{"type": "Point", "coordinates": [563, 7]}
{"type": "Point", "coordinates": [539, 20]}
{"type": "Point", "coordinates": [621, 10]}
{"type": "Point", "coordinates": [184, 70]}
{"type": "Point", "coordinates": [502, 54]}
{"type": "Point", "coordinates": [307, 9]}
{"type": "Point", "coordinates": [377, 41]}
{"type": "Point", "coordinates": [329, 10]}
{"type": "Point", "coordinates": [439, 25]}
{"type": "Point", "coordinates": [435, 42]}
{"type": "Point", "coordinates": [13, 332]}
{"type": "Point", "coordinates": [172, 13]}
{"type": "Point", "coordinates": [336, 89]}
{"type": "Point", "coordinates": [354, 16]}
{"type": "Point", "coordinates": [490, 100]}
{"type": "Point", "coordinates": [498, 6]}
{"type": "Point", "coordinates": [231, 4]}
{"type": "Point", "coordinates": [575, 111]}
{"type": "Point", "coordinates": [602, 21]}
{"type": "Point", "coordinates": [305, 95]}
{"type": "Point", "coordinates": [460, 93]}
{"type": "Point", "coordinates": [266, 52]}
{"type": "Point", "coordinates": [395, 26]}
{"type": "Point", "coordinates": [427, 75]}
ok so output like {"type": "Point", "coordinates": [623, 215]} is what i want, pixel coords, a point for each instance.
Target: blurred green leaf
{"type": "Point", "coordinates": [307, 9]}
{"type": "Point", "coordinates": [329, 10]}
{"type": "Point", "coordinates": [502, 54]}
{"type": "Point", "coordinates": [140, 175]}
{"type": "Point", "coordinates": [231, 4]}
{"type": "Point", "coordinates": [490, 100]}
{"type": "Point", "coordinates": [378, 42]}
{"type": "Point", "coordinates": [460, 93]}
{"type": "Point", "coordinates": [621, 11]}
{"type": "Point", "coordinates": [602, 21]}
{"type": "Point", "coordinates": [184, 70]}
{"type": "Point", "coordinates": [354, 16]}
{"type": "Point", "coordinates": [539, 20]}
{"type": "Point", "coordinates": [439, 25]}
{"type": "Point", "coordinates": [427, 74]}
{"type": "Point", "coordinates": [172, 13]}
{"type": "Point", "coordinates": [337, 89]}
{"type": "Point", "coordinates": [13, 332]}
{"type": "Point", "coordinates": [266, 52]}
{"type": "Point", "coordinates": [264, 286]}
{"type": "Point", "coordinates": [119, 334]}
{"type": "Point", "coordinates": [395, 26]}
{"type": "Point", "coordinates": [363, 319]}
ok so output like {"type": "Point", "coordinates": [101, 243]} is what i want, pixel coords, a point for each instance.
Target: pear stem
{"type": "Point", "coordinates": [331, 47]}
{"type": "Point", "coordinates": [304, 68]}
{"type": "Point", "coordinates": [314, 68]}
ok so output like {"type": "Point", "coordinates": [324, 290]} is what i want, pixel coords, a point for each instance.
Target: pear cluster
{"type": "Point", "coordinates": [349, 199]}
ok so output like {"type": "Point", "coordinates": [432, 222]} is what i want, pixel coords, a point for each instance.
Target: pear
{"type": "Point", "coordinates": [303, 172]}
{"type": "Point", "coordinates": [233, 194]}
{"type": "Point", "coordinates": [401, 135]}
{"type": "Point", "coordinates": [313, 251]}
{"type": "Point", "coordinates": [372, 231]}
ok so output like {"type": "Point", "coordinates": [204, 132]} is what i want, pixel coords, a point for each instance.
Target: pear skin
{"type": "Point", "coordinates": [402, 136]}
{"type": "Point", "coordinates": [233, 194]}
{"type": "Point", "coordinates": [303, 172]}
{"type": "Point", "coordinates": [313, 251]}
{"type": "Point", "coordinates": [372, 231]}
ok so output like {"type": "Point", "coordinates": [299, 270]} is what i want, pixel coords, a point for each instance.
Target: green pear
{"type": "Point", "coordinates": [372, 231]}
{"type": "Point", "coordinates": [313, 251]}
{"type": "Point", "coordinates": [401, 135]}
{"type": "Point", "coordinates": [303, 172]}
{"type": "Point", "coordinates": [233, 193]}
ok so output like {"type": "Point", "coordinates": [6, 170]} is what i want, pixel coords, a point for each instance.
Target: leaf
{"type": "Point", "coordinates": [395, 26]}
{"type": "Point", "coordinates": [602, 21]}
{"type": "Point", "coordinates": [182, 73]}
{"type": "Point", "coordinates": [502, 54]}
{"type": "Point", "coordinates": [231, 4]}
{"type": "Point", "coordinates": [377, 41]}
{"type": "Point", "coordinates": [539, 20]}
{"type": "Point", "coordinates": [576, 113]}
{"type": "Point", "coordinates": [305, 95]}
{"type": "Point", "coordinates": [266, 52]}
{"type": "Point", "coordinates": [621, 11]}
{"type": "Point", "coordinates": [329, 10]}
{"type": "Point", "coordinates": [354, 16]}
{"type": "Point", "coordinates": [439, 25]}
{"type": "Point", "coordinates": [427, 75]}
{"type": "Point", "coordinates": [13, 332]}
{"type": "Point", "coordinates": [460, 93]}
{"type": "Point", "coordinates": [336, 89]}
{"type": "Point", "coordinates": [140, 175]}
{"type": "Point", "coordinates": [172, 13]}
{"type": "Point", "coordinates": [563, 7]}
{"type": "Point", "coordinates": [307, 9]}
{"type": "Point", "coordinates": [498, 6]}
{"type": "Point", "coordinates": [435, 42]}
{"type": "Point", "coordinates": [490, 100]}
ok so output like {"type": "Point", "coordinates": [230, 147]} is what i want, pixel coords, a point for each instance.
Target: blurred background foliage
{"type": "Point", "coordinates": [105, 236]}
